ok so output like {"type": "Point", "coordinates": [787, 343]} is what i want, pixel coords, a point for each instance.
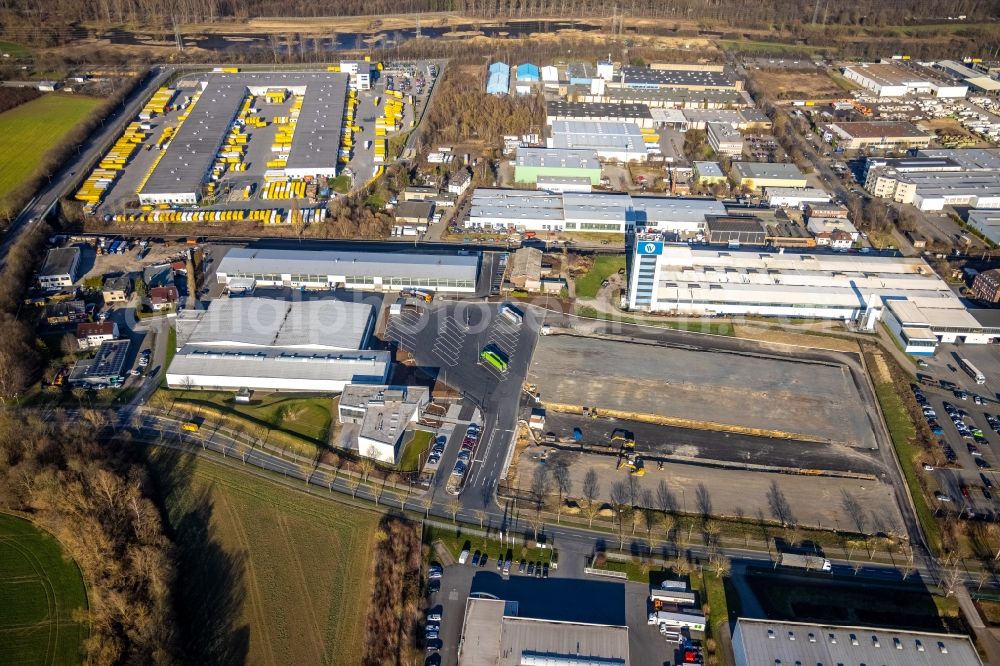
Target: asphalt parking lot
{"type": "Point", "coordinates": [965, 472]}
{"type": "Point", "coordinates": [446, 338]}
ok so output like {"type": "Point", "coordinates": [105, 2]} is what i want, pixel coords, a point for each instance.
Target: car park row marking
{"type": "Point", "coordinates": [401, 329]}
{"type": "Point", "coordinates": [449, 342]}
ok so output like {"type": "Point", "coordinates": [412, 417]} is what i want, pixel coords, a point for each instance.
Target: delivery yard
{"type": "Point", "coordinates": [796, 398]}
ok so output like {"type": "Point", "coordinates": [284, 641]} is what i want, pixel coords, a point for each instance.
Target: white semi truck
{"type": "Point", "coordinates": [811, 562]}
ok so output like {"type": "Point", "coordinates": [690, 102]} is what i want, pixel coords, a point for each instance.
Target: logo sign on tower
{"type": "Point", "coordinates": [650, 247]}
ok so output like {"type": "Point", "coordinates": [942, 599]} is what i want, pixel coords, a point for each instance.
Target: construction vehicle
{"type": "Point", "coordinates": [627, 457]}
{"type": "Point", "coordinates": [191, 426]}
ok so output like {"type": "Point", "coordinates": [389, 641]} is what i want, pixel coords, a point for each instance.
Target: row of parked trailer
{"type": "Point", "coordinates": [265, 215]}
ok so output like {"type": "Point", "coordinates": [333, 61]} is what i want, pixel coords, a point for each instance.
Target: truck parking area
{"type": "Point", "coordinates": [247, 180]}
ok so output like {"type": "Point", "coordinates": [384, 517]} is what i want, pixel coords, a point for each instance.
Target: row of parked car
{"type": "Point", "coordinates": [464, 456]}
{"type": "Point", "coordinates": [538, 569]}
{"type": "Point", "coordinates": [432, 627]}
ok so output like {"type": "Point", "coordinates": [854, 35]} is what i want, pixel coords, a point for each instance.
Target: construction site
{"type": "Point", "coordinates": [718, 424]}
{"type": "Point", "coordinates": [267, 147]}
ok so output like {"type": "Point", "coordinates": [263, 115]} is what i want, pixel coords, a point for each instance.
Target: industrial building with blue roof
{"type": "Point", "coordinates": [498, 81]}
{"type": "Point", "coordinates": [527, 72]}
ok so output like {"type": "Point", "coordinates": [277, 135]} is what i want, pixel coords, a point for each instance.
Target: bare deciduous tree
{"type": "Point", "coordinates": [591, 492]}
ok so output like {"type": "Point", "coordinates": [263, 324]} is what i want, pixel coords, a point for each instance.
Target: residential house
{"type": "Point", "coordinates": [460, 182]}
{"type": "Point", "coordinates": [90, 335]}
{"type": "Point", "coordinates": [162, 298]}
{"type": "Point", "coordinates": [117, 289]}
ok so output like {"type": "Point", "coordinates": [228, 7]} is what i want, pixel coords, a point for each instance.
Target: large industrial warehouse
{"type": "Point", "coordinates": [376, 271]}
{"type": "Point", "coordinates": [536, 210]}
{"type": "Point", "coordinates": [276, 345]}
{"type": "Point", "coordinates": [184, 168]}
{"type": "Point", "coordinates": [667, 277]}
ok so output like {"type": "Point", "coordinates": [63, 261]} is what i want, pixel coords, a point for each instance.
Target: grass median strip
{"type": "Point", "coordinates": [904, 436]}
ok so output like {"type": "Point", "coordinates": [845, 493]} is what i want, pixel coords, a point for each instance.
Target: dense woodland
{"type": "Point", "coordinates": [749, 14]}
{"type": "Point", "coordinates": [462, 111]}
{"type": "Point", "coordinates": [11, 97]}
{"type": "Point", "coordinates": [94, 499]}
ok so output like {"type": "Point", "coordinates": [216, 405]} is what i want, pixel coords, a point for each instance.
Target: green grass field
{"type": "Point", "coordinates": [40, 595]}
{"type": "Point", "coordinates": [29, 131]}
{"type": "Point", "coordinates": [15, 50]}
{"type": "Point", "coordinates": [307, 417]}
{"type": "Point", "coordinates": [268, 575]}
{"type": "Point", "coordinates": [418, 443]}
{"type": "Point", "coordinates": [604, 266]}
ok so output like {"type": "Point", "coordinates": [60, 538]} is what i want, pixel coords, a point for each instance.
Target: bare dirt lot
{"type": "Point", "coordinates": [800, 399]}
{"type": "Point", "coordinates": [814, 501]}
{"type": "Point", "coordinates": [797, 84]}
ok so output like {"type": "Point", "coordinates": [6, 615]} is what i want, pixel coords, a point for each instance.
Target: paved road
{"type": "Point", "coordinates": [64, 180]}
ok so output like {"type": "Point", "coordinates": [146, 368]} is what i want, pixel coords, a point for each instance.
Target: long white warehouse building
{"type": "Point", "coordinates": [537, 210]}
{"type": "Point", "coordinates": [275, 345]}
{"type": "Point", "coordinates": [326, 269]}
{"type": "Point", "coordinates": [676, 278]}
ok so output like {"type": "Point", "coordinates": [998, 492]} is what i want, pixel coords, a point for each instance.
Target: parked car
{"type": "Point", "coordinates": [434, 617]}
{"type": "Point", "coordinates": [986, 480]}
{"type": "Point", "coordinates": [475, 558]}
{"type": "Point", "coordinates": [941, 497]}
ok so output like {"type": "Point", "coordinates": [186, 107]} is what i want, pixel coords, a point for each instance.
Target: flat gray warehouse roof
{"type": "Point", "coordinates": [677, 77]}
{"type": "Point", "coordinates": [772, 642]}
{"type": "Point", "coordinates": [60, 261]}
{"type": "Point", "coordinates": [559, 108]}
{"type": "Point", "coordinates": [250, 322]}
{"type": "Point", "coordinates": [329, 262]}
{"type": "Point", "coordinates": [316, 141]}
{"type": "Point", "coordinates": [491, 637]}
{"type": "Point", "coordinates": [557, 157]}
{"type": "Point", "coordinates": [259, 368]}
{"type": "Point", "coordinates": [767, 170]}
